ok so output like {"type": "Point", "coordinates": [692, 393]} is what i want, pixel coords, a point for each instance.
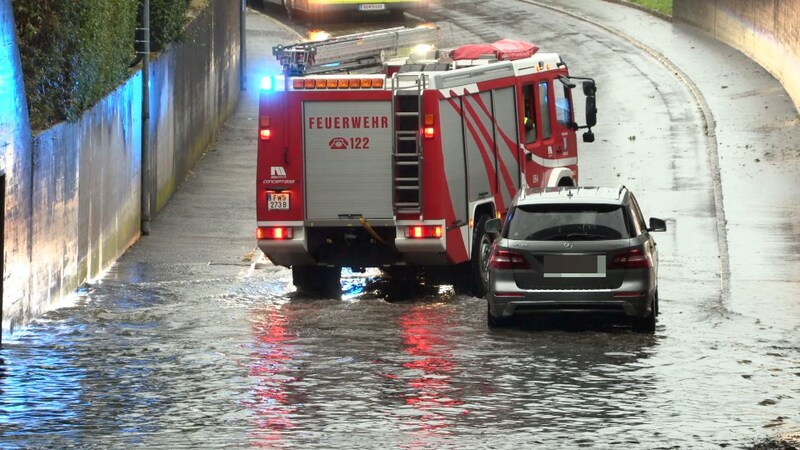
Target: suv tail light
{"type": "Point", "coordinates": [504, 259]}
{"type": "Point", "coordinates": [630, 259]}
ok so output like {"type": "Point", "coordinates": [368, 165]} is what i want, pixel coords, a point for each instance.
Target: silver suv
{"type": "Point", "coordinates": [574, 249]}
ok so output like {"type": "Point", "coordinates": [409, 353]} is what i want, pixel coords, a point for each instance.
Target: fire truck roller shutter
{"type": "Point", "coordinates": [453, 155]}
{"type": "Point", "coordinates": [479, 147]}
{"type": "Point", "coordinates": [508, 157]}
{"type": "Point", "coordinates": [348, 159]}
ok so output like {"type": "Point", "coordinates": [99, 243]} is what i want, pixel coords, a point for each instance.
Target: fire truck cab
{"type": "Point", "coordinates": [372, 158]}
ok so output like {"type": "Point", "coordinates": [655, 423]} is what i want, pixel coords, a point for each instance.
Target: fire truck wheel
{"type": "Point", "coordinates": [303, 277]}
{"type": "Point", "coordinates": [481, 251]}
{"type": "Point", "coordinates": [317, 279]}
{"type": "Point", "coordinates": [291, 13]}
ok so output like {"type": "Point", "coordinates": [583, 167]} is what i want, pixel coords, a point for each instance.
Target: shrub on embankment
{"type": "Point", "coordinates": [661, 6]}
{"type": "Point", "coordinates": [74, 52]}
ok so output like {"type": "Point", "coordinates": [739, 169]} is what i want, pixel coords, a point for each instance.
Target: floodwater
{"type": "Point", "coordinates": [192, 340]}
{"type": "Point", "coordinates": [183, 364]}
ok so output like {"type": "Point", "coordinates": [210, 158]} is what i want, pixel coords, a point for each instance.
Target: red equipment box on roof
{"type": "Point", "coordinates": [502, 50]}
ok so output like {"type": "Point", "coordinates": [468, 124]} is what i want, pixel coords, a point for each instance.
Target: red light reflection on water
{"type": "Point", "coordinates": [424, 335]}
{"type": "Point", "coordinates": [271, 366]}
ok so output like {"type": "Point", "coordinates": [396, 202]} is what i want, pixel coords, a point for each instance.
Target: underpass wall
{"type": "Point", "coordinates": [73, 202]}
{"type": "Point", "coordinates": [768, 31]}
{"type": "Point", "coordinates": [15, 171]}
{"type": "Point", "coordinates": [195, 88]}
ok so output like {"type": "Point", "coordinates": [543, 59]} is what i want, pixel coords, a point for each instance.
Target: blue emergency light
{"type": "Point", "coordinates": [267, 83]}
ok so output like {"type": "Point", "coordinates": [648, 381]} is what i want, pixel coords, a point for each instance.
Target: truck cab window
{"type": "Point", "coordinates": [544, 110]}
{"type": "Point", "coordinates": [563, 105]}
{"type": "Point", "coordinates": [528, 115]}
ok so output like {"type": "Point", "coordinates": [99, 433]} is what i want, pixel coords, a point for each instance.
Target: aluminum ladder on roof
{"type": "Point", "coordinates": [407, 92]}
{"type": "Point", "coordinates": [352, 51]}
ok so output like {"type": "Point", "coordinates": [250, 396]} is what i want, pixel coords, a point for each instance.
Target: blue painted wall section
{"type": "Point", "coordinates": [73, 200]}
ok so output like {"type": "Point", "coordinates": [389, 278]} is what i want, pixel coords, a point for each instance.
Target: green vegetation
{"type": "Point", "coordinates": [662, 6]}
{"type": "Point", "coordinates": [74, 52]}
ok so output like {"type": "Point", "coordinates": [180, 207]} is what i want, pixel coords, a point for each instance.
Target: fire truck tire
{"type": "Point", "coordinates": [291, 12]}
{"type": "Point", "coordinates": [317, 279]}
{"type": "Point", "coordinates": [397, 14]}
{"type": "Point", "coordinates": [481, 251]}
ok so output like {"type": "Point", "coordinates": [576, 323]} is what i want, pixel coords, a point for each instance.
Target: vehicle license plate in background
{"type": "Point", "coordinates": [574, 266]}
{"type": "Point", "coordinates": [277, 201]}
{"type": "Point", "coordinates": [372, 7]}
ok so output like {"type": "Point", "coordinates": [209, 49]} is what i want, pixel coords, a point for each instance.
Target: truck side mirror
{"type": "Point", "coordinates": [591, 110]}
{"type": "Point", "coordinates": [589, 88]}
{"type": "Point", "coordinates": [566, 82]}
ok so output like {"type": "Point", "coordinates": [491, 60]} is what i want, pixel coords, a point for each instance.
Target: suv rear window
{"type": "Point", "coordinates": [581, 222]}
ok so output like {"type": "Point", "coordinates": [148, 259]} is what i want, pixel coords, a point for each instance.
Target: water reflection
{"type": "Point", "coordinates": [427, 340]}
{"type": "Point", "coordinates": [569, 386]}
{"type": "Point", "coordinates": [273, 368]}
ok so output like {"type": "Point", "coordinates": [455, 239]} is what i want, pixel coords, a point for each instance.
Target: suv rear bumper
{"type": "Point", "coordinates": [595, 301]}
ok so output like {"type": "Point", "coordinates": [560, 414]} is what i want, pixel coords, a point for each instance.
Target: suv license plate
{"type": "Point", "coordinates": [372, 7]}
{"type": "Point", "coordinates": [574, 266]}
{"type": "Point", "coordinates": [277, 201]}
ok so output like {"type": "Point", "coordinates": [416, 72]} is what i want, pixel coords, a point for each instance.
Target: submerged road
{"type": "Point", "coordinates": [193, 340]}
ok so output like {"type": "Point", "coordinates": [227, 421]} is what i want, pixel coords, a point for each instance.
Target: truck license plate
{"type": "Point", "coordinates": [372, 7]}
{"type": "Point", "coordinates": [277, 201]}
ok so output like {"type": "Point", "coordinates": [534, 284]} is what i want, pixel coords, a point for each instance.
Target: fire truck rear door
{"type": "Point", "coordinates": [348, 155]}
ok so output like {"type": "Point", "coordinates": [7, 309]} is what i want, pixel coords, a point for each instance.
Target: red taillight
{"type": "Point", "coordinates": [631, 259]}
{"type": "Point", "coordinates": [504, 259]}
{"type": "Point", "coordinates": [274, 233]}
{"type": "Point", "coordinates": [424, 232]}
{"type": "Point", "coordinates": [428, 131]}
{"type": "Point", "coordinates": [264, 131]}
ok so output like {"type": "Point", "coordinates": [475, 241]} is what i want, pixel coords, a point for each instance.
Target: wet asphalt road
{"type": "Point", "coordinates": [192, 340]}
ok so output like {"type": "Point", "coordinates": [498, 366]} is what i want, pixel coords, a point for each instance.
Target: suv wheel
{"type": "Point", "coordinates": [647, 324]}
{"type": "Point", "coordinates": [496, 322]}
{"type": "Point", "coordinates": [478, 264]}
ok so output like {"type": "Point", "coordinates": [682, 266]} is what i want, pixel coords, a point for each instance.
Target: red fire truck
{"type": "Point", "coordinates": [370, 156]}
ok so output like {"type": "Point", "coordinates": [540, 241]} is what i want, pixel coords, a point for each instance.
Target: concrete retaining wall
{"type": "Point", "coordinates": [768, 31]}
{"type": "Point", "coordinates": [15, 169]}
{"type": "Point", "coordinates": [73, 197]}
